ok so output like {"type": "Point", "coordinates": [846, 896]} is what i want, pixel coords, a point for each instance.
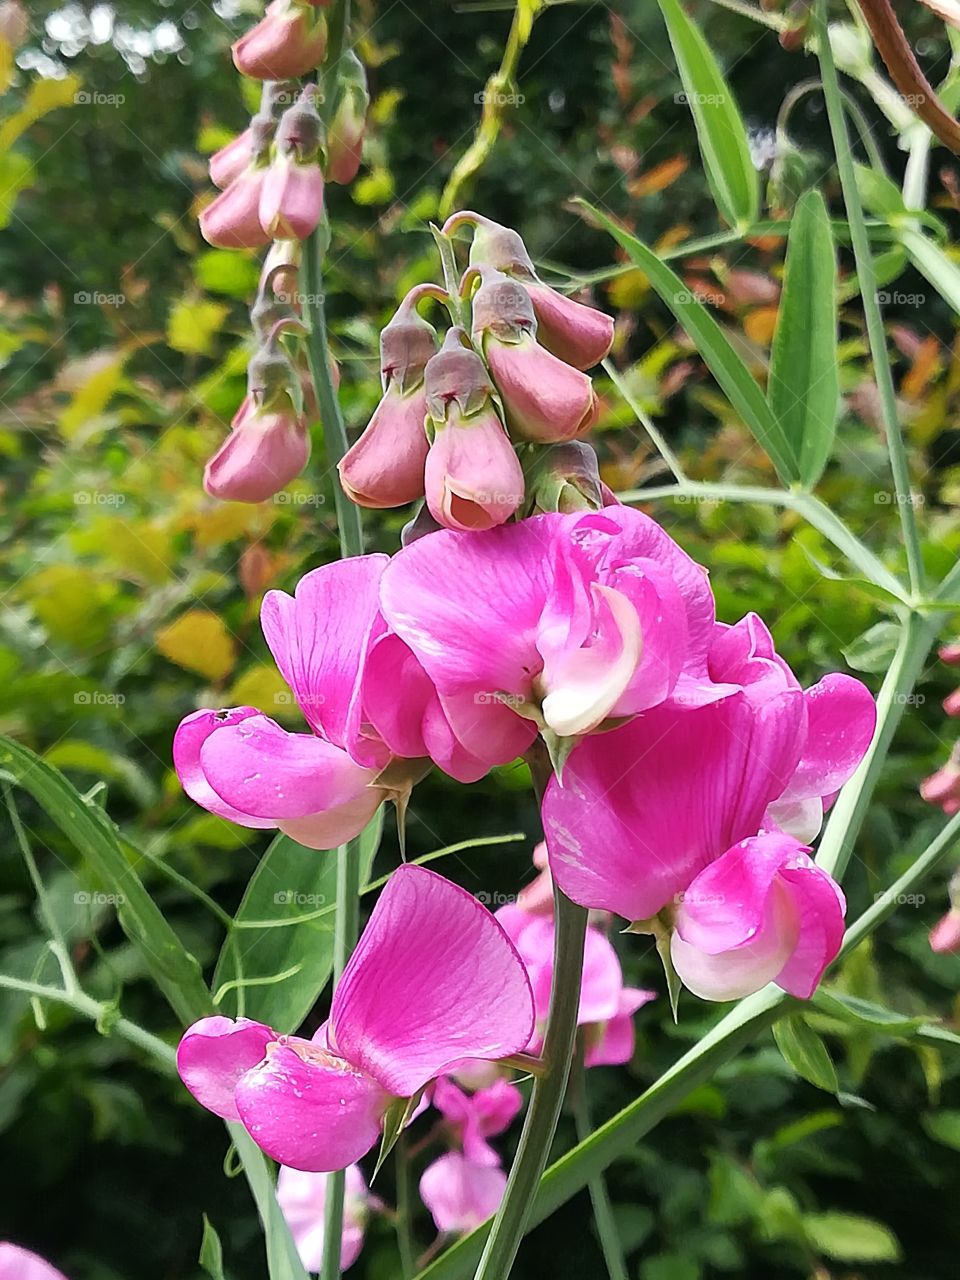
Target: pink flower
{"type": "Point", "coordinates": [229, 162]}
{"type": "Point", "coordinates": [232, 219]}
{"type": "Point", "coordinates": [345, 133]}
{"type": "Point", "coordinates": [472, 477]}
{"type": "Point", "coordinates": [763, 912]}
{"type": "Point", "coordinates": [580, 335]}
{"type": "Point", "coordinates": [475, 1117]}
{"type": "Point", "coordinates": [545, 399]}
{"type": "Point", "coordinates": [289, 41]}
{"type": "Point", "coordinates": [384, 468]}
{"type": "Point", "coordinates": [21, 1264]}
{"type": "Point", "coordinates": [265, 450]}
{"type": "Point", "coordinates": [302, 1196]}
{"type": "Point", "coordinates": [432, 980]}
{"type": "Point", "coordinates": [945, 934]}
{"type": "Point", "coordinates": [558, 620]}
{"type": "Point", "coordinates": [943, 787]}
{"type": "Point", "coordinates": [460, 1194]}
{"type": "Point", "coordinates": [317, 787]}
{"type": "Point", "coordinates": [291, 198]}
{"type": "Point", "coordinates": [606, 1005]}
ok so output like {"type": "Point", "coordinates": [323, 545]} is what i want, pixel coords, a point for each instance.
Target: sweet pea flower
{"type": "Point", "coordinates": [345, 135]}
{"type": "Point", "coordinates": [580, 335]}
{"type": "Point", "coordinates": [763, 912]}
{"type": "Point", "coordinates": [20, 1264]}
{"type": "Point", "coordinates": [384, 468]}
{"type": "Point", "coordinates": [545, 399]}
{"type": "Point", "coordinates": [302, 1197]}
{"type": "Point", "coordinates": [559, 621]}
{"type": "Point", "coordinates": [472, 477]}
{"type": "Point", "coordinates": [606, 1005]}
{"type": "Point", "coordinates": [475, 1117]}
{"type": "Point", "coordinates": [317, 787]}
{"type": "Point", "coordinates": [461, 1194]}
{"type": "Point", "coordinates": [232, 219]}
{"type": "Point", "coordinates": [268, 446]}
{"type": "Point", "coordinates": [433, 980]}
{"type": "Point", "coordinates": [288, 42]}
{"type": "Point", "coordinates": [229, 162]}
{"type": "Point", "coordinates": [291, 198]}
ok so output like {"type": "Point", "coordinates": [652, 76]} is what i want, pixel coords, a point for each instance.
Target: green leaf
{"type": "Point", "coordinates": [873, 651]}
{"type": "Point", "coordinates": [721, 134]}
{"type": "Point", "coordinates": [95, 838]}
{"type": "Point", "coordinates": [284, 924]}
{"type": "Point", "coordinates": [16, 171]}
{"type": "Point", "coordinates": [806, 1053]}
{"type": "Point", "coordinates": [211, 1251]}
{"type": "Point", "coordinates": [943, 1127]}
{"type": "Point", "coordinates": [880, 194]}
{"type": "Point", "coordinates": [804, 387]}
{"type": "Point", "coordinates": [733, 376]}
{"type": "Point", "coordinates": [866, 1014]}
{"type": "Point", "coordinates": [850, 1238]}
{"type": "Point", "coordinates": [932, 263]}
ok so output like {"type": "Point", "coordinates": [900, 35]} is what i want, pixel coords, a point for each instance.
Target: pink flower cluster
{"type": "Point", "coordinates": [454, 414]}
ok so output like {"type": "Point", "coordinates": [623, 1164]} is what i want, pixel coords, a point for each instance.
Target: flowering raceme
{"type": "Point", "coordinates": [432, 981]}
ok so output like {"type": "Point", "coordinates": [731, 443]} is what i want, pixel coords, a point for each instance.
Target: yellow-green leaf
{"type": "Point", "coordinates": [193, 325]}
{"type": "Point", "coordinates": [198, 641]}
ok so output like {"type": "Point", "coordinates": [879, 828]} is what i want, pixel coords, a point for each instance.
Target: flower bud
{"type": "Point", "coordinates": [545, 399]}
{"type": "Point", "coordinates": [345, 137]}
{"type": "Point", "coordinates": [945, 934]}
{"type": "Point", "coordinates": [291, 199]}
{"type": "Point", "coordinates": [268, 446]}
{"type": "Point", "coordinates": [232, 219]}
{"type": "Point", "coordinates": [384, 468]}
{"type": "Point", "coordinates": [577, 334]}
{"type": "Point", "coordinates": [473, 478]}
{"type": "Point", "coordinates": [289, 41]}
{"type": "Point", "coordinates": [567, 479]}
{"type": "Point", "coordinates": [227, 164]}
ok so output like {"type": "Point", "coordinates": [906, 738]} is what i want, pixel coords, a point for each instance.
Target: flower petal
{"type": "Point", "coordinates": [212, 1056]}
{"type": "Point", "coordinates": [433, 980]}
{"type": "Point", "coordinates": [319, 638]}
{"type": "Point", "coordinates": [460, 1194]}
{"type": "Point", "coordinates": [841, 718]}
{"type": "Point", "coordinates": [257, 766]}
{"type": "Point", "coordinates": [21, 1264]}
{"type": "Point", "coordinates": [821, 906]}
{"type": "Point", "coordinates": [192, 733]}
{"type": "Point", "coordinates": [309, 1109]}
{"type": "Point", "coordinates": [335, 826]}
{"type": "Point", "coordinates": [644, 808]}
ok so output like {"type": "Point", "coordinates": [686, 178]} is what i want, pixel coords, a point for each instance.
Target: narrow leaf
{"type": "Point", "coordinates": [721, 133]}
{"type": "Point", "coordinates": [804, 388]}
{"type": "Point", "coordinates": [803, 1050]}
{"type": "Point", "coordinates": [211, 1251]}
{"type": "Point", "coordinates": [733, 376]}
{"type": "Point", "coordinates": [284, 925]}
{"type": "Point", "coordinates": [932, 263]}
{"type": "Point", "coordinates": [95, 838]}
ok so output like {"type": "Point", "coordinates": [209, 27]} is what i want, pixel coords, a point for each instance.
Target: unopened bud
{"type": "Point", "coordinates": [406, 344]}
{"type": "Point", "coordinates": [567, 479]}
{"type": "Point", "coordinates": [456, 376]}
{"type": "Point", "coordinates": [345, 136]}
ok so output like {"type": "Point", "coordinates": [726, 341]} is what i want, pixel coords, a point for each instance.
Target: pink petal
{"type": "Point", "coordinates": [192, 733]}
{"type": "Point", "coordinates": [545, 399]}
{"type": "Point", "coordinates": [472, 477]}
{"type": "Point", "coordinates": [255, 765]}
{"type": "Point", "coordinates": [231, 220]}
{"type": "Point", "coordinates": [612, 1044]}
{"type": "Point", "coordinates": [302, 1196]}
{"type": "Point", "coordinates": [460, 1194]}
{"type": "Point", "coordinates": [477, 1116]}
{"type": "Point", "coordinates": [821, 906]}
{"type": "Point", "coordinates": [384, 468]}
{"type": "Point", "coordinates": [319, 638]}
{"type": "Point", "coordinates": [433, 979]}
{"type": "Point", "coordinates": [212, 1056]}
{"type": "Point", "coordinates": [21, 1264]}
{"type": "Point", "coordinates": [841, 718]}
{"type": "Point", "coordinates": [644, 808]}
{"type": "Point", "coordinates": [262, 454]}
{"type": "Point", "coordinates": [291, 199]}
{"type": "Point", "coordinates": [335, 826]}
{"type": "Point", "coordinates": [309, 1109]}
{"type": "Point", "coordinates": [578, 334]}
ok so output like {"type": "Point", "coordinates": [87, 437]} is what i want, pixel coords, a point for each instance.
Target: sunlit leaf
{"type": "Point", "coordinates": [199, 641]}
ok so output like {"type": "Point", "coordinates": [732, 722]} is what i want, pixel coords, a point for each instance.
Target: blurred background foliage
{"type": "Point", "coordinates": [129, 597]}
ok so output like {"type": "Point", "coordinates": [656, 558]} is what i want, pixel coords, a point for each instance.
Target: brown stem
{"type": "Point", "coordinates": [905, 72]}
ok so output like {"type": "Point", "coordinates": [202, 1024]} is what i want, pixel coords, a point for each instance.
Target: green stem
{"type": "Point", "coordinates": [815, 512]}
{"type": "Point", "coordinates": [498, 93]}
{"type": "Point", "coordinates": [602, 1208]}
{"type": "Point", "coordinates": [405, 1242]}
{"type": "Point", "coordinates": [668, 455]}
{"type": "Point", "coordinates": [546, 1099]}
{"type": "Point", "coordinates": [871, 307]}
